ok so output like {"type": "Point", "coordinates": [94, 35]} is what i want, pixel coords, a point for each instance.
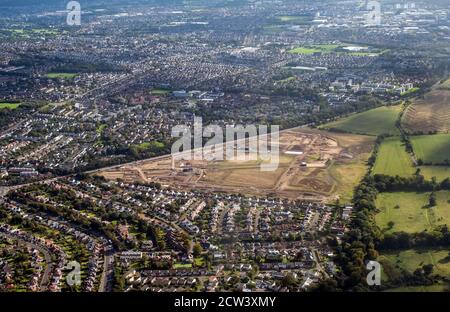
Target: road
{"type": "Point", "coordinates": [107, 274]}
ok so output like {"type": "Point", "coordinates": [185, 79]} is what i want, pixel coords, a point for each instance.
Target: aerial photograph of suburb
{"type": "Point", "coordinates": [248, 148]}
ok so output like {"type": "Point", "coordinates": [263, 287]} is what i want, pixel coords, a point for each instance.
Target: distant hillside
{"type": "Point", "coordinates": [431, 113]}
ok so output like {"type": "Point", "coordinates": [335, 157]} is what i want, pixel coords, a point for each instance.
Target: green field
{"type": "Point", "coordinates": [439, 172]}
{"type": "Point", "coordinates": [61, 75]}
{"type": "Point", "coordinates": [306, 50]}
{"type": "Point", "coordinates": [410, 91]}
{"type": "Point", "coordinates": [393, 159]}
{"type": "Point", "coordinates": [412, 259]}
{"type": "Point", "coordinates": [347, 176]}
{"type": "Point", "coordinates": [333, 48]}
{"type": "Point", "coordinates": [160, 92]}
{"type": "Point", "coordinates": [31, 33]}
{"type": "Point", "coordinates": [148, 146]}
{"type": "Point", "coordinates": [432, 149]}
{"type": "Point", "coordinates": [288, 79]}
{"type": "Point", "coordinates": [410, 213]}
{"type": "Point", "coordinates": [376, 121]}
{"type": "Point", "coordinates": [9, 105]}
{"type": "Point", "coordinates": [182, 265]}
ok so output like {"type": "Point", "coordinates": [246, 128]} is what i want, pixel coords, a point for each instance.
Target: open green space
{"type": "Point", "coordinates": [410, 91]}
{"type": "Point", "coordinates": [9, 105]}
{"type": "Point", "coordinates": [439, 172]}
{"type": "Point", "coordinates": [288, 79]}
{"type": "Point", "coordinates": [410, 212]}
{"type": "Point", "coordinates": [381, 120]}
{"type": "Point", "coordinates": [182, 265]}
{"type": "Point", "coordinates": [29, 33]}
{"type": "Point", "coordinates": [335, 48]}
{"type": "Point", "coordinates": [393, 159]}
{"type": "Point", "coordinates": [61, 75]}
{"type": "Point", "coordinates": [306, 50]}
{"type": "Point", "coordinates": [347, 175]}
{"type": "Point", "coordinates": [160, 92]}
{"type": "Point", "coordinates": [432, 149]}
{"type": "Point", "coordinates": [410, 260]}
{"type": "Point", "coordinates": [148, 145]}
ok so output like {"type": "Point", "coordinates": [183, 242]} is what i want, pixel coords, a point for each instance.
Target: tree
{"type": "Point", "coordinates": [428, 269]}
{"type": "Point", "coordinates": [391, 224]}
{"type": "Point", "coordinates": [432, 200]}
{"type": "Point", "coordinates": [197, 250]}
{"type": "Point", "coordinates": [288, 280]}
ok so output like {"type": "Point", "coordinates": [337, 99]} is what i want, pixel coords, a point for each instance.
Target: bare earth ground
{"type": "Point", "coordinates": [432, 113]}
{"type": "Point", "coordinates": [335, 164]}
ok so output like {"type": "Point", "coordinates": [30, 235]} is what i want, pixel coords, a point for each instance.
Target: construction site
{"type": "Point", "coordinates": [311, 165]}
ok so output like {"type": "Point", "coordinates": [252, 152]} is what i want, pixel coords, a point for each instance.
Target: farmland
{"type": "Point", "coordinates": [430, 113]}
{"type": "Point", "coordinates": [373, 122]}
{"type": "Point", "coordinates": [410, 213]}
{"type": "Point", "coordinates": [432, 149]}
{"type": "Point", "coordinates": [393, 159]}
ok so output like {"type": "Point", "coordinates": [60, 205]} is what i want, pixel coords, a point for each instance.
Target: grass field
{"type": "Point", "coordinates": [288, 79]}
{"type": "Point", "coordinates": [9, 105]}
{"type": "Point", "coordinates": [333, 48]}
{"type": "Point", "coordinates": [148, 145]}
{"type": "Point", "coordinates": [373, 122]}
{"type": "Point", "coordinates": [306, 50]}
{"type": "Point", "coordinates": [182, 265]}
{"type": "Point", "coordinates": [61, 75]}
{"type": "Point", "coordinates": [412, 259]}
{"type": "Point", "coordinates": [440, 172]}
{"type": "Point", "coordinates": [347, 177]}
{"type": "Point", "coordinates": [160, 92]}
{"type": "Point", "coordinates": [410, 91]}
{"type": "Point", "coordinates": [393, 159]}
{"type": "Point", "coordinates": [31, 33]}
{"type": "Point", "coordinates": [432, 149]}
{"type": "Point", "coordinates": [410, 213]}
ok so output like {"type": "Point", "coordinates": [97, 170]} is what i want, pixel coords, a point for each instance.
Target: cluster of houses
{"type": "Point", "coordinates": [57, 252]}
